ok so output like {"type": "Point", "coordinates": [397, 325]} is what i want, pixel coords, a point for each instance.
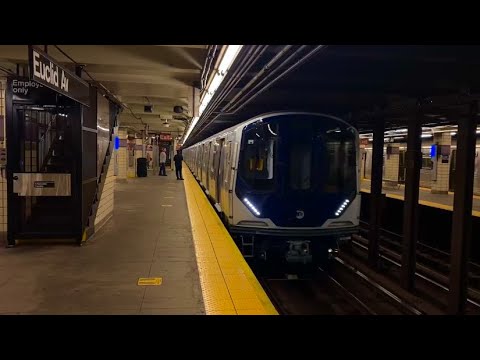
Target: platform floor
{"type": "Point", "coordinates": [439, 201]}
{"type": "Point", "coordinates": [150, 235]}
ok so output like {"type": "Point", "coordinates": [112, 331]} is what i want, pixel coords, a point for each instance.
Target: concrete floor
{"type": "Point", "coordinates": [148, 236]}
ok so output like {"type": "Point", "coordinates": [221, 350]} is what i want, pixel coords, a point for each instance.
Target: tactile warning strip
{"type": "Point", "coordinates": [229, 286]}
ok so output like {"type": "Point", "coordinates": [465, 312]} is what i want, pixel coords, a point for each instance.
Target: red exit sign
{"type": "Point", "coordinates": [167, 137]}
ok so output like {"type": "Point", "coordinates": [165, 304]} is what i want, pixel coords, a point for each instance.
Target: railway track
{"type": "Point", "coordinates": [345, 291]}
{"type": "Point", "coordinates": [431, 272]}
{"type": "Point", "coordinates": [435, 259]}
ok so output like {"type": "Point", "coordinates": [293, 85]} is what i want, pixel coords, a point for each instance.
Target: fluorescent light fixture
{"type": "Point", "coordinates": [251, 206]}
{"type": "Point", "coordinates": [426, 135]}
{"type": "Point", "coordinates": [227, 60]}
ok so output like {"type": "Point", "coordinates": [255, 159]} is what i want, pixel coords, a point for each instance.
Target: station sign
{"type": "Point", "coordinates": [47, 72]}
{"type": "Point", "coordinates": [166, 137]}
{"type": "Point", "coordinates": [26, 91]}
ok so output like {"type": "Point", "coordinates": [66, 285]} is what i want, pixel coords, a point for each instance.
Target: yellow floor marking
{"type": "Point", "coordinates": [149, 281]}
{"type": "Point", "coordinates": [228, 284]}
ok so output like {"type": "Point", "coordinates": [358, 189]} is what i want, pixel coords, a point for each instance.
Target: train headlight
{"type": "Point", "coordinates": [251, 207]}
{"type": "Point", "coordinates": [342, 207]}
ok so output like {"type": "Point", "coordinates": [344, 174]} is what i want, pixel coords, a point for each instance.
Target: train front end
{"type": "Point", "coordinates": [297, 187]}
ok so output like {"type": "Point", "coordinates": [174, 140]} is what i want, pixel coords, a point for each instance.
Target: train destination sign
{"type": "Point", "coordinates": [44, 70]}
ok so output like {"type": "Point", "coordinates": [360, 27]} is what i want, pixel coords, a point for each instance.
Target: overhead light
{"type": "Point", "coordinates": [227, 60]}
{"type": "Point", "coordinates": [426, 135]}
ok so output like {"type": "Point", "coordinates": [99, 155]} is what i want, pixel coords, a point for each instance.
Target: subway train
{"type": "Point", "coordinates": [427, 164]}
{"type": "Point", "coordinates": [286, 184]}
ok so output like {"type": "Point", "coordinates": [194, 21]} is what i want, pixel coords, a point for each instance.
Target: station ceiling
{"type": "Point", "coordinates": [360, 83]}
{"type": "Point", "coordinates": [139, 75]}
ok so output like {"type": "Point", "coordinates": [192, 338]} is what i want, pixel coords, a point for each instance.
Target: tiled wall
{"type": "Point", "coordinates": [3, 175]}
{"type": "Point", "coordinates": [122, 156]}
{"type": "Point", "coordinates": [392, 162]}
{"type": "Point", "coordinates": [105, 205]}
{"type": "Point", "coordinates": [441, 184]}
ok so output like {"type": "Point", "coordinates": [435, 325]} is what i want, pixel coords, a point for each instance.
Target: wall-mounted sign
{"type": "Point", "coordinates": [45, 70]}
{"type": "Point", "coordinates": [27, 91]}
{"type": "Point", "coordinates": [166, 137]}
{"type": "Point", "coordinates": [44, 184]}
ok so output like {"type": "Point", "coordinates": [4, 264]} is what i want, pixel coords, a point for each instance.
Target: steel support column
{"type": "Point", "coordinates": [376, 192]}
{"type": "Point", "coordinates": [413, 163]}
{"type": "Point", "coordinates": [462, 212]}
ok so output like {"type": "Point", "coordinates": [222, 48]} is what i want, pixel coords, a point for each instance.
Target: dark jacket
{"type": "Point", "coordinates": [178, 160]}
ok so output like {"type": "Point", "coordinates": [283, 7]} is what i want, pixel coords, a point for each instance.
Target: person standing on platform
{"type": "Point", "coordinates": [178, 164]}
{"type": "Point", "coordinates": [163, 160]}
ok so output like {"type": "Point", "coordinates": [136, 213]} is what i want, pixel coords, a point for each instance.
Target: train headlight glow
{"type": "Point", "coordinates": [342, 207]}
{"type": "Point", "coordinates": [251, 206]}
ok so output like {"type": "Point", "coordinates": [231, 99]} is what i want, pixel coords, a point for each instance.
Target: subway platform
{"type": "Point", "coordinates": [425, 197]}
{"type": "Point", "coordinates": [164, 251]}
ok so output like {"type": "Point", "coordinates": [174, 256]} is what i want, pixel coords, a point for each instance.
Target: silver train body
{"type": "Point", "coordinates": [283, 183]}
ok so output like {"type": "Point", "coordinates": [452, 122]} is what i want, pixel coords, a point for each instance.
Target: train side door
{"type": "Point", "coordinates": [200, 162]}
{"type": "Point", "coordinates": [234, 150]}
{"type": "Point", "coordinates": [210, 179]}
{"type": "Point", "coordinates": [227, 171]}
{"type": "Point", "coordinates": [219, 160]}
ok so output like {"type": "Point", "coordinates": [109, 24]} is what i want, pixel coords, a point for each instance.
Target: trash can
{"type": "Point", "coordinates": [142, 167]}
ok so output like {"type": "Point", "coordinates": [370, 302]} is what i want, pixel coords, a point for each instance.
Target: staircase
{"type": "Point", "coordinates": [90, 226]}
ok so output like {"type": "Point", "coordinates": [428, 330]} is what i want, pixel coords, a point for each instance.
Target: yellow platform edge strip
{"type": "Point", "coordinates": [423, 202]}
{"type": "Point", "coordinates": [229, 286]}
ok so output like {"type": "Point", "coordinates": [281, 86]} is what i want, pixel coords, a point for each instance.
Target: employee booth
{"type": "Point", "coordinates": [44, 155]}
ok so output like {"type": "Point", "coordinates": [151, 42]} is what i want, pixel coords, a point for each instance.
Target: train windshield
{"type": "Point", "coordinates": [258, 155]}
{"type": "Point", "coordinates": [302, 153]}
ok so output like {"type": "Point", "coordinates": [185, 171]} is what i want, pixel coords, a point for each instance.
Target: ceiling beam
{"type": "Point", "coordinates": [138, 79]}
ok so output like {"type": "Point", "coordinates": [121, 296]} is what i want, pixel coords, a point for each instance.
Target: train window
{"type": "Point", "coordinates": [341, 162]}
{"type": "Point", "coordinates": [300, 167]}
{"type": "Point", "coordinates": [257, 155]}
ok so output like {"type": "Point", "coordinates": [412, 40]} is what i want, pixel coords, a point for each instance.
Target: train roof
{"type": "Point", "coordinates": [268, 115]}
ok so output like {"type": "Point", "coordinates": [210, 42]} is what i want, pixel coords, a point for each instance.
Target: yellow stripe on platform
{"type": "Point", "coordinates": [229, 286]}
